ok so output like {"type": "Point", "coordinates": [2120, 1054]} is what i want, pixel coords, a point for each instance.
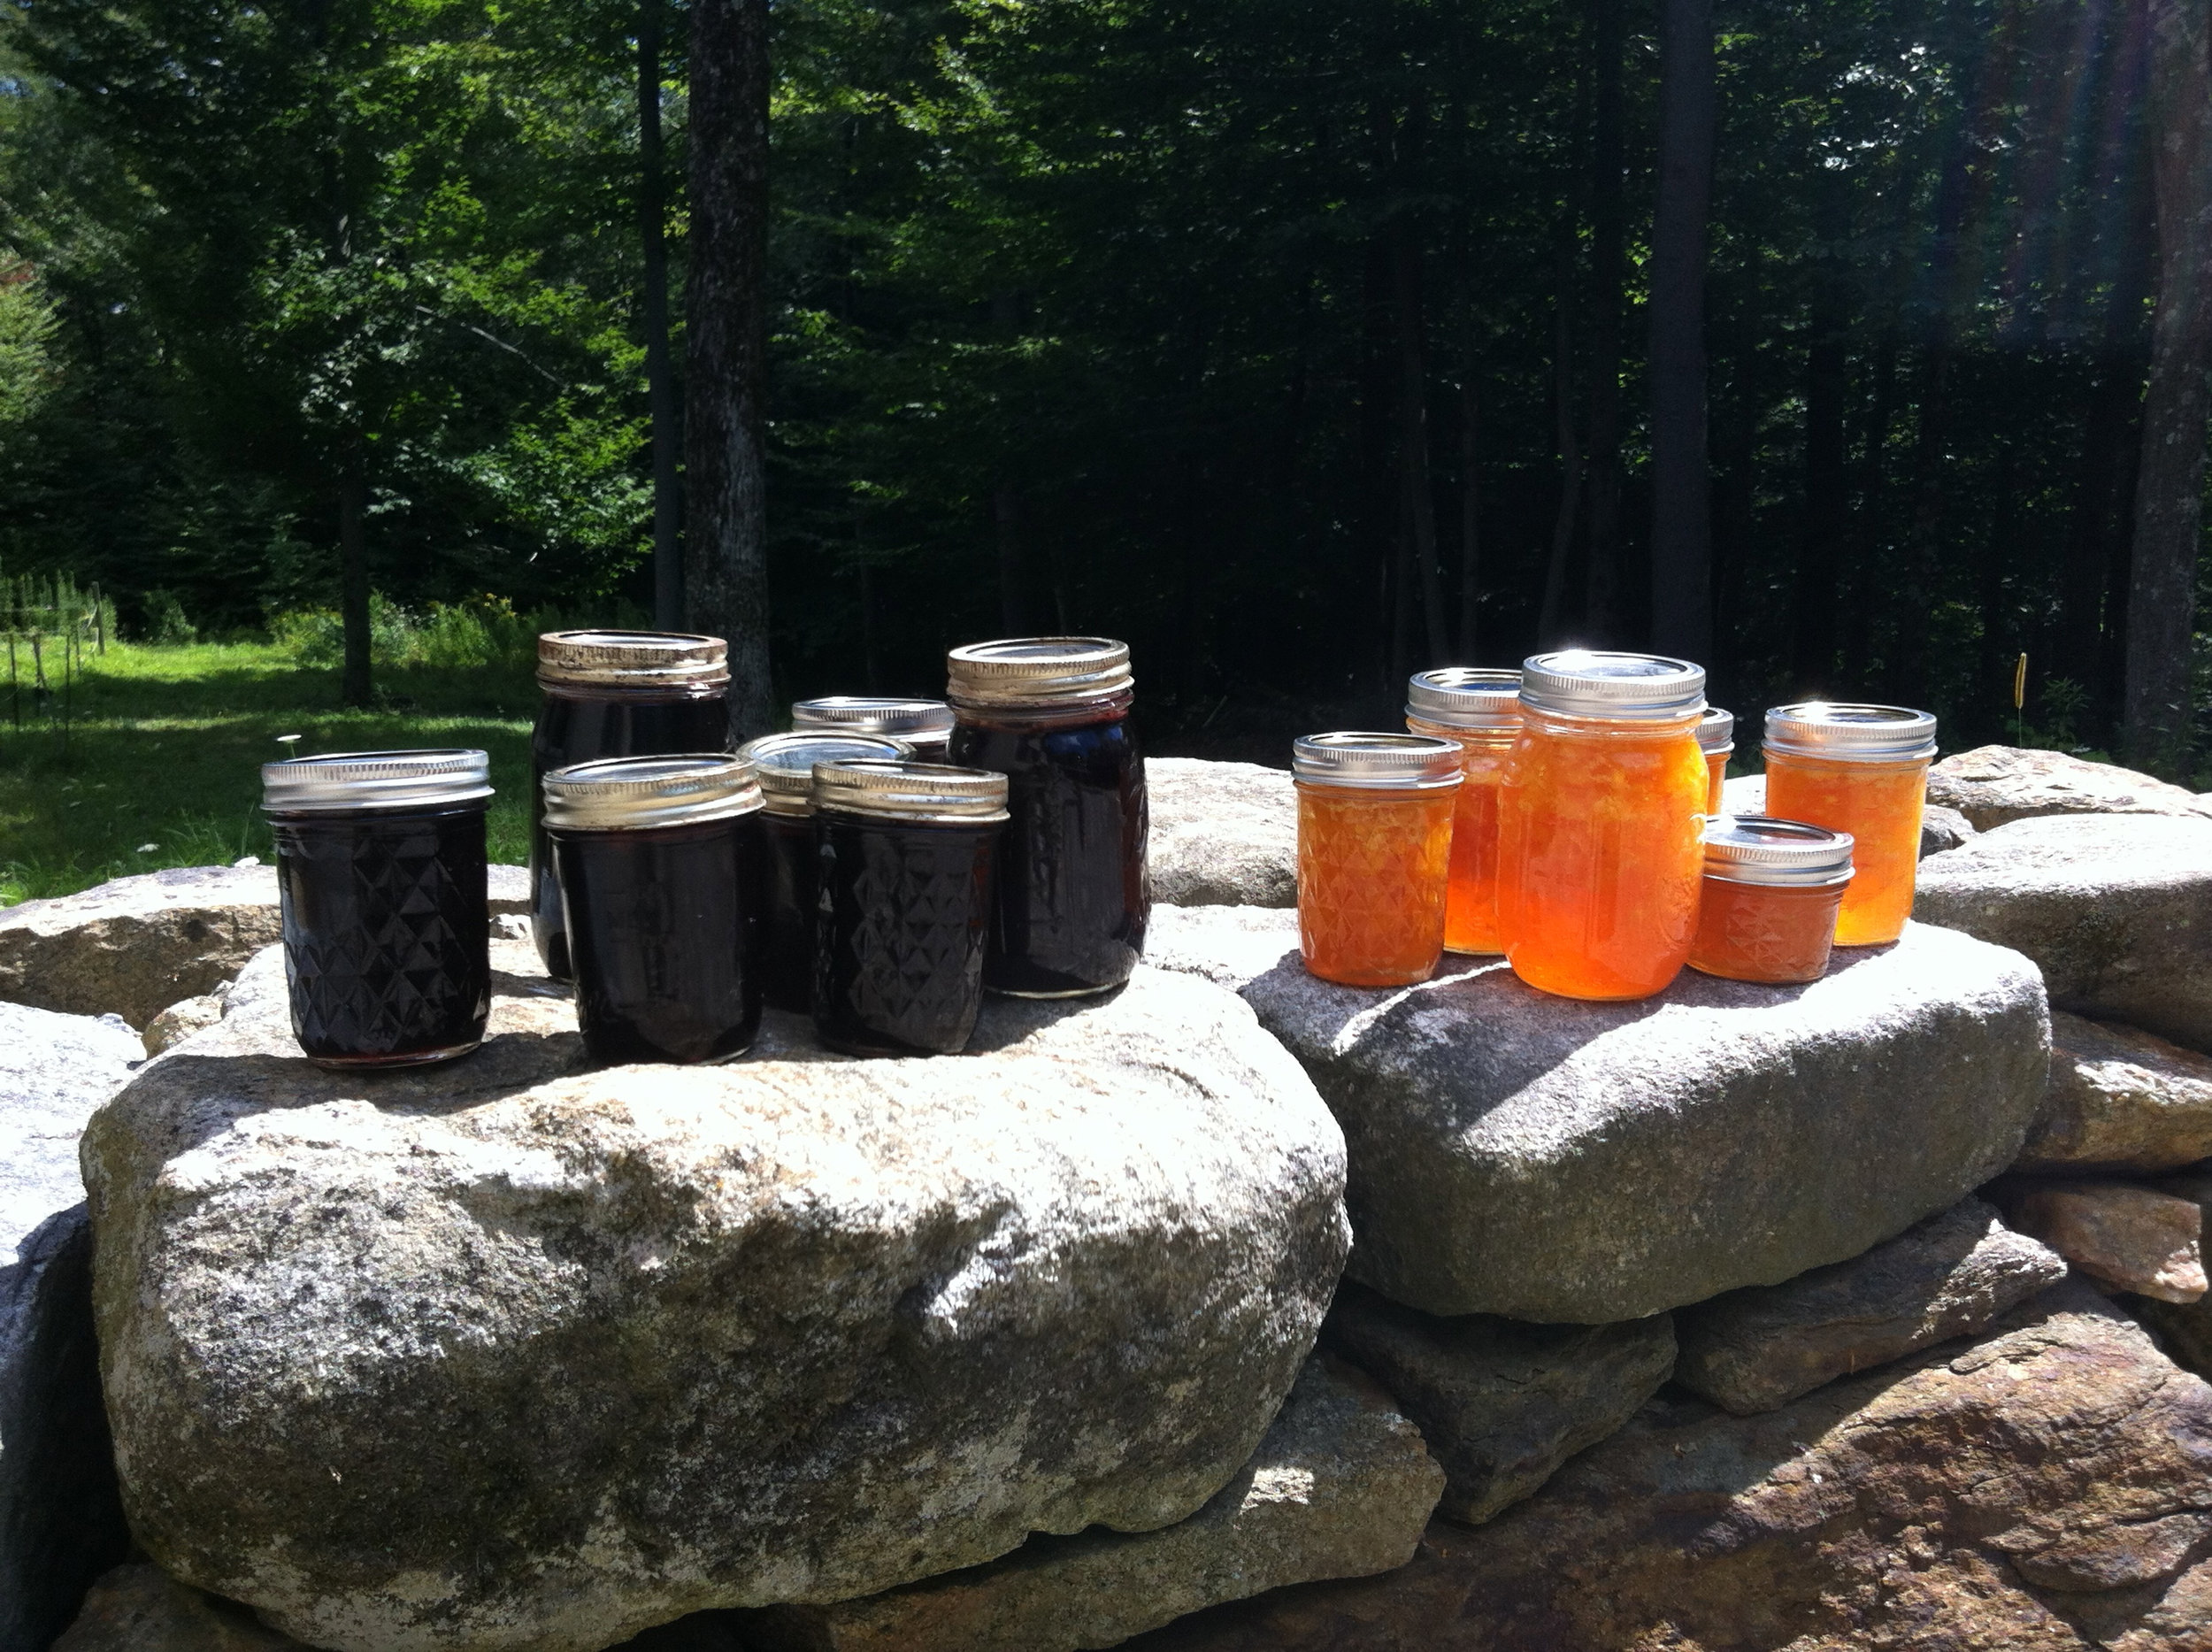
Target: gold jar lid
{"type": "Point", "coordinates": [1037, 671]}
{"type": "Point", "coordinates": [1379, 761]}
{"type": "Point", "coordinates": [785, 763]}
{"type": "Point", "coordinates": [637, 794]}
{"type": "Point", "coordinates": [633, 659]}
{"type": "Point", "coordinates": [1850, 733]}
{"type": "Point", "coordinates": [1759, 849]}
{"type": "Point", "coordinates": [342, 780]}
{"type": "Point", "coordinates": [896, 789]}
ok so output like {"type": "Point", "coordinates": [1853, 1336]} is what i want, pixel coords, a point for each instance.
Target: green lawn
{"type": "Point", "coordinates": [161, 762]}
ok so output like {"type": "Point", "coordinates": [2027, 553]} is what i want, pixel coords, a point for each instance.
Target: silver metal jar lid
{"type": "Point", "coordinates": [1037, 671]}
{"type": "Point", "coordinates": [895, 789]}
{"type": "Point", "coordinates": [1758, 848]}
{"type": "Point", "coordinates": [438, 779]}
{"type": "Point", "coordinates": [919, 720]}
{"type": "Point", "coordinates": [1717, 732]}
{"type": "Point", "coordinates": [635, 794]}
{"type": "Point", "coordinates": [1466, 696]}
{"type": "Point", "coordinates": [785, 763]}
{"type": "Point", "coordinates": [1598, 682]}
{"type": "Point", "coordinates": [1403, 762]}
{"type": "Point", "coordinates": [633, 659]}
{"type": "Point", "coordinates": [1851, 733]}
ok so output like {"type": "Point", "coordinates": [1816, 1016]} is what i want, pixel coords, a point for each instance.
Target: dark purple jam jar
{"type": "Point", "coordinates": [660, 873]}
{"type": "Point", "coordinates": [923, 726]}
{"type": "Point", "coordinates": [785, 766]}
{"type": "Point", "coordinates": [1052, 715]}
{"type": "Point", "coordinates": [614, 693]}
{"type": "Point", "coordinates": [380, 881]}
{"type": "Point", "coordinates": [904, 897]}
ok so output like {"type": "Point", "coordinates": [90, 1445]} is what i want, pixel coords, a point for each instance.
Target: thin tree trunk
{"type": "Point", "coordinates": [354, 686]}
{"type": "Point", "coordinates": [1681, 516]}
{"type": "Point", "coordinates": [2170, 484]}
{"type": "Point", "coordinates": [1563, 531]}
{"type": "Point", "coordinates": [1413, 437]}
{"type": "Point", "coordinates": [1470, 502]}
{"type": "Point", "coordinates": [660, 373]}
{"type": "Point", "coordinates": [1380, 521]}
{"type": "Point", "coordinates": [1821, 534]}
{"type": "Point", "coordinates": [1608, 268]}
{"type": "Point", "coordinates": [726, 551]}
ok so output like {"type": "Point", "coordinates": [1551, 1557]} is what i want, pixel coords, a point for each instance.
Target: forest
{"type": "Point", "coordinates": [1850, 346]}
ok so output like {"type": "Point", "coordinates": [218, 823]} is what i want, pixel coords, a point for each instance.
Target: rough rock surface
{"type": "Point", "coordinates": [180, 1020]}
{"type": "Point", "coordinates": [1222, 833]}
{"type": "Point", "coordinates": [2186, 1328]}
{"type": "Point", "coordinates": [1338, 1487]}
{"type": "Point", "coordinates": [489, 1356]}
{"type": "Point", "coordinates": [1993, 786]}
{"type": "Point", "coordinates": [54, 1071]}
{"type": "Point", "coordinates": [2131, 1237]}
{"type": "Point", "coordinates": [1501, 1403]}
{"type": "Point", "coordinates": [2042, 1489]}
{"type": "Point", "coordinates": [1950, 1276]}
{"type": "Point", "coordinates": [134, 946]}
{"type": "Point", "coordinates": [1940, 828]}
{"type": "Point", "coordinates": [1518, 1153]}
{"type": "Point", "coordinates": [2119, 1100]}
{"type": "Point", "coordinates": [140, 1608]}
{"type": "Point", "coordinates": [2116, 909]}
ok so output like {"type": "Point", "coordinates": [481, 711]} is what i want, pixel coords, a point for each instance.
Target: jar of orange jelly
{"type": "Point", "coordinates": [1374, 852]}
{"type": "Point", "coordinates": [1768, 912]}
{"type": "Point", "coordinates": [1861, 769]}
{"type": "Point", "coordinates": [1480, 712]}
{"type": "Point", "coordinates": [1717, 739]}
{"type": "Point", "coordinates": [1599, 824]}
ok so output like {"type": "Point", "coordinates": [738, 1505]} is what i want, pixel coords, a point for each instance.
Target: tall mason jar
{"type": "Point", "coordinates": [1863, 769]}
{"type": "Point", "coordinates": [1600, 824]}
{"type": "Point", "coordinates": [1480, 712]}
{"type": "Point", "coordinates": [1716, 738]}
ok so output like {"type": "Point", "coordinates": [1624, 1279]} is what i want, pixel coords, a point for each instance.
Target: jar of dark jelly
{"type": "Point", "coordinates": [614, 693]}
{"type": "Point", "coordinates": [923, 726]}
{"type": "Point", "coordinates": [380, 885]}
{"type": "Point", "coordinates": [785, 766]}
{"type": "Point", "coordinates": [904, 899]}
{"type": "Point", "coordinates": [660, 874]}
{"type": "Point", "coordinates": [1052, 715]}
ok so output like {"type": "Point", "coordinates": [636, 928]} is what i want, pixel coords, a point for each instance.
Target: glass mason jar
{"type": "Point", "coordinates": [923, 726]}
{"type": "Point", "coordinates": [1374, 854]}
{"type": "Point", "coordinates": [784, 764]}
{"type": "Point", "coordinates": [1717, 739]}
{"type": "Point", "coordinates": [1768, 912]}
{"type": "Point", "coordinates": [614, 693]}
{"type": "Point", "coordinates": [1481, 711]}
{"type": "Point", "coordinates": [1052, 715]}
{"type": "Point", "coordinates": [380, 885]}
{"type": "Point", "coordinates": [659, 863]}
{"type": "Point", "coordinates": [1598, 856]}
{"type": "Point", "coordinates": [1863, 770]}
{"type": "Point", "coordinates": [907, 862]}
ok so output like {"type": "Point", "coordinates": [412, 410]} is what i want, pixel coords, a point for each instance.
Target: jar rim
{"type": "Point", "coordinates": [899, 788]}
{"type": "Point", "coordinates": [1377, 760]}
{"type": "Point", "coordinates": [613, 657]}
{"type": "Point", "coordinates": [1466, 696]}
{"type": "Point", "coordinates": [1036, 671]}
{"type": "Point", "coordinates": [1717, 730]}
{"type": "Point", "coordinates": [1766, 850]}
{"type": "Point", "coordinates": [1850, 731]}
{"type": "Point", "coordinates": [784, 763]}
{"type": "Point", "coordinates": [871, 714]}
{"type": "Point", "coordinates": [429, 777]}
{"type": "Point", "coordinates": [1612, 683]}
{"type": "Point", "coordinates": [640, 793]}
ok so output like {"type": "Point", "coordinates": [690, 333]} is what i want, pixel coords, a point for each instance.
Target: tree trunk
{"type": "Point", "coordinates": [660, 373]}
{"type": "Point", "coordinates": [1470, 502]}
{"type": "Point", "coordinates": [354, 686]}
{"type": "Point", "coordinates": [1681, 515]}
{"type": "Point", "coordinates": [1415, 487]}
{"type": "Point", "coordinates": [726, 551]}
{"type": "Point", "coordinates": [1820, 535]}
{"type": "Point", "coordinates": [1609, 265]}
{"type": "Point", "coordinates": [1563, 531]}
{"type": "Point", "coordinates": [2170, 480]}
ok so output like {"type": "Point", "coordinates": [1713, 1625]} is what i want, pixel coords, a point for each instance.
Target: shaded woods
{"type": "Point", "coordinates": [1835, 341]}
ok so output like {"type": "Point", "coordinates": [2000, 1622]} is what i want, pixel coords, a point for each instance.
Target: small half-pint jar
{"type": "Point", "coordinates": [784, 764]}
{"type": "Point", "coordinates": [1862, 770]}
{"type": "Point", "coordinates": [1717, 739]}
{"type": "Point", "coordinates": [1481, 711]}
{"type": "Point", "coordinates": [659, 863]}
{"type": "Point", "coordinates": [923, 726]}
{"type": "Point", "coordinates": [904, 905]}
{"type": "Point", "coordinates": [1374, 854]}
{"type": "Point", "coordinates": [1768, 909]}
{"type": "Point", "coordinates": [381, 884]}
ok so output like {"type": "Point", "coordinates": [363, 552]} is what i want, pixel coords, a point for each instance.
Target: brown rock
{"type": "Point", "coordinates": [2044, 1489]}
{"type": "Point", "coordinates": [2185, 1328]}
{"type": "Point", "coordinates": [180, 1020]}
{"type": "Point", "coordinates": [2127, 1236]}
{"type": "Point", "coordinates": [1942, 829]}
{"type": "Point", "coordinates": [1993, 786]}
{"type": "Point", "coordinates": [2119, 1100]}
{"type": "Point", "coordinates": [143, 1608]}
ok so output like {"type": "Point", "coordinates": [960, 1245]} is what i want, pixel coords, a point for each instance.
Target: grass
{"type": "Point", "coordinates": [161, 762]}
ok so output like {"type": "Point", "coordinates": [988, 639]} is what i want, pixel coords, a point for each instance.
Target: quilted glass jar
{"type": "Point", "coordinates": [1768, 912]}
{"type": "Point", "coordinates": [1374, 854]}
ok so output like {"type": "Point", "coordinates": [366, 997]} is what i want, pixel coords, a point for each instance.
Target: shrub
{"type": "Point", "coordinates": [164, 619]}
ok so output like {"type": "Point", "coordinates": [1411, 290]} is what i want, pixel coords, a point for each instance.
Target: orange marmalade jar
{"type": "Point", "coordinates": [1481, 710]}
{"type": "Point", "coordinates": [1861, 769]}
{"type": "Point", "coordinates": [1717, 739]}
{"type": "Point", "coordinates": [1771, 890]}
{"type": "Point", "coordinates": [1374, 845]}
{"type": "Point", "coordinates": [1599, 857]}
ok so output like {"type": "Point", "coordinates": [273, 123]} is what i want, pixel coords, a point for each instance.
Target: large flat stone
{"type": "Point", "coordinates": [139, 1607]}
{"type": "Point", "coordinates": [1340, 1487]}
{"type": "Point", "coordinates": [1993, 786]}
{"type": "Point", "coordinates": [499, 1355]}
{"type": "Point", "coordinates": [1501, 1403]}
{"type": "Point", "coordinates": [2119, 1100]}
{"type": "Point", "coordinates": [134, 946]}
{"type": "Point", "coordinates": [2117, 911]}
{"type": "Point", "coordinates": [2133, 1238]}
{"type": "Point", "coordinates": [1222, 833]}
{"type": "Point", "coordinates": [2041, 1489]}
{"type": "Point", "coordinates": [1950, 1276]}
{"type": "Point", "coordinates": [1518, 1154]}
